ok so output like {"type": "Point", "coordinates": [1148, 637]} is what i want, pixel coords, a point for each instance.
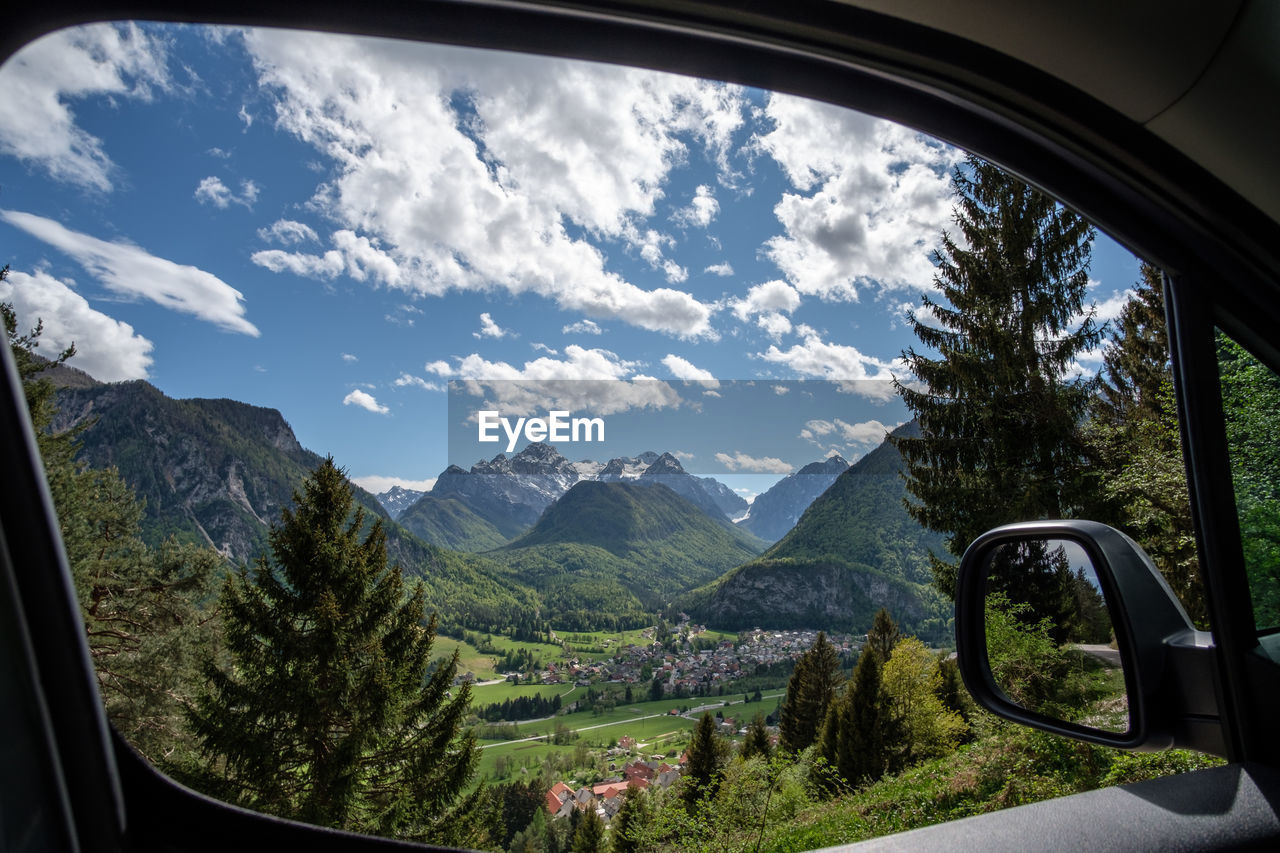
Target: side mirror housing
{"type": "Point", "coordinates": [1043, 584]}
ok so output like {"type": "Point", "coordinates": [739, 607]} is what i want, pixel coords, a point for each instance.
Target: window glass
{"type": "Point", "coordinates": [516, 452]}
{"type": "Point", "coordinates": [1250, 396]}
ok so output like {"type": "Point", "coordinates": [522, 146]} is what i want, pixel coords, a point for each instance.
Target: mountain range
{"type": "Point", "coordinates": [582, 545]}
{"type": "Point", "coordinates": [218, 472]}
{"type": "Point", "coordinates": [498, 500]}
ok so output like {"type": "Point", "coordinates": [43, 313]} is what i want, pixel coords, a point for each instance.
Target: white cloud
{"type": "Point", "coordinates": [490, 329]}
{"type": "Point", "coordinates": [130, 271]}
{"type": "Point", "coordinates": [490, 201]}
{"type": "Point", "coordinates": [764, 464]}
{"type": "Point", "coordinates": [364, 400]}
{"type": "Point", "coordinates": [377, 484]}
{"type": "Point", "coordinates": [213, 191]}
{"type": "Point", "coordinates": [585, 380]}
{"type": "Point", "coordinates": [856, 373]}
{"type": "Point", "coordinates": [106, 349]}
{"type": "Point", "coordinates": [775, 325]}
{"type": "Point", "coordinates": [245, 116]}
{"type": "Point", "coordinates": [348, 357]}
{"type": "Point", "coordinates": [682, 455]}
{"type": "Point", "coordinates": [674, 272]}
{"type": "Point", "coordinates": [411, 381]}
{"type": "Point", "coordinates": [439, 368]}
{"type": "Point", "coordinates": [288, 232]}
{"type": "Point", "coordinates": [781, 389]}
{"type": "Point", "coordinates": [329, 265]}
{"type": "Point", "coordinates": [702, 209]}
{"type": "Point", "coordinates": [867, 434]}
{"type": "Point", "coordinates": [51, 74]}
{"type": "Point", "coordinates": [873, 199]}
{"type": "Point", "coordinates": [582, 327]}
{"type": "Point", "coordinates": [772, 296]}
{"type": "Point", "coordinates": [1110, 308]}
{"type": "Point", "coordinates": [722, 269]}
{"type": "Point", "coordinates": [682, 369]}
{"type": "Point", "coordinates": [541, 347]}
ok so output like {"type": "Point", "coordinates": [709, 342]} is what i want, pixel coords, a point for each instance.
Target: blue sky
{"type": "Point", "coordinates": [337, 227]}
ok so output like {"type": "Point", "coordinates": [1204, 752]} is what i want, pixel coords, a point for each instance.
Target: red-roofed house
{"type": "Point", "coordinates": [556, 797]}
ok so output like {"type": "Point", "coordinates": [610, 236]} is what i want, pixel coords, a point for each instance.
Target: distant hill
{"type": "Point", "coordinates": [776, 511]}
{"type": "Point", "coordinates": [620, 548]}
{"type": "Point", "coordinates": [218, 472]}
{"type": "Point", "coordinates": [450, 523]}
{"type": "Point", "coordinates": [853, 550]}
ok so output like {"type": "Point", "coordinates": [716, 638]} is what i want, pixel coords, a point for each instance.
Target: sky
{"type": "Point", "coordinates": [339, 227]}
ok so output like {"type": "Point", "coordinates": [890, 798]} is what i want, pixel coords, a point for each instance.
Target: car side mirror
{"type": "Point", "coordinates": [1067, 626]}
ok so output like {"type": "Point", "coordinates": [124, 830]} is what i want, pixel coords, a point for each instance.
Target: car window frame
{"type": "Point", "coordinates": [1221, 255]}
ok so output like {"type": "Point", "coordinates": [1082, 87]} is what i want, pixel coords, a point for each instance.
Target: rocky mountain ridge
{"type": "Point", "coordinates": [397, 499]}
{"type": "Point", "coordinates": [509, 494]}
{"type": "Point", "coordinates": [777, 510]}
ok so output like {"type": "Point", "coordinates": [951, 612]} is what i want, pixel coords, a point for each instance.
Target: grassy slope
{"type": "Point", "coordinates": [1009, 767]}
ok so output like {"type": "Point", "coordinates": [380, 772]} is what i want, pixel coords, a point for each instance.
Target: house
{"type": "Point", "coordinates": [559, 799]}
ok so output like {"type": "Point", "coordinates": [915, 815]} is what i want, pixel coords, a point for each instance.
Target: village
{"type": "Point", "coordinates": [682, 670]}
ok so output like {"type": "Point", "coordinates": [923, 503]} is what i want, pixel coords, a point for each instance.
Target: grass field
{"type": "Point", "coordinates": [471, 659]}
{"type": "Point", "coordinates": [647, 722]}
{"type": "Point", "coordinates": [488, 694]}
{"type": "Point", "coordinates": [596, 645]}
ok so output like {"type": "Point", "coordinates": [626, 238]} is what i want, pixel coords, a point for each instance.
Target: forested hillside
{"type": "Point", "coordinates": [612, 551]}
{"type": "Point", "coordinates": [854, 550]}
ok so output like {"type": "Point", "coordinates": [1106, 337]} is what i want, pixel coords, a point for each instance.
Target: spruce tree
{"type": "Point", "coordinates": [702, 771]}
{"type": "Point", "coordinates": [330, 713]}
{"type": "Point", "coordinates": [757, 740]}
{"type": "Point", "coordinates": [883, 635]}
{"type": "Point", "coordinates": [1138, 477]}
{"type": "Point", "coordinates": [589, 836]}
{"type": "Point", "coordinates": [998, 414]}
{"type": "Point", "coordinates": [854, 739]}
{"type": "Point", "coordinates": [810, 690]}
{"type": "Point", "coordinates": [629, 823]}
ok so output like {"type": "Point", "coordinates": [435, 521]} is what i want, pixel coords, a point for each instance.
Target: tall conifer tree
{"type": "Point", "coordinates": [810, 690]}
{"type": "Point", "coordinates": [706, 753]}
{"type": "Point", "coordinates": [1135, 446]}
{"type": "Point", "coordinates": [854, 736]}
{"type": "Point", "coordinates": [330, 714]}
{"type": "Point", "coordinates": [999, 416]}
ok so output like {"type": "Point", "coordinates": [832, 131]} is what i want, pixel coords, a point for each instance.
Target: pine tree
{"type": "Point", "coordinates": [883, 635]}
{"type": "Point", "coordinates": [757, 740]}
{"type": "Point", "coordinates": [630, 821]}
{"type": "Point", "coordinates": [1135, 446]}
{"type": "Point", "coordinates": [855, 734]}
{"type": "Point", "coordinates": [810, 690]}
{"type": "Point", "coordinates": [589, 836]}
{"type": "Point", "coordinates": [330, 713]}
{"type": "Point", "coordinates": [1000, 422]}
{"type": "Point", "coordinates": [702, 771]}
